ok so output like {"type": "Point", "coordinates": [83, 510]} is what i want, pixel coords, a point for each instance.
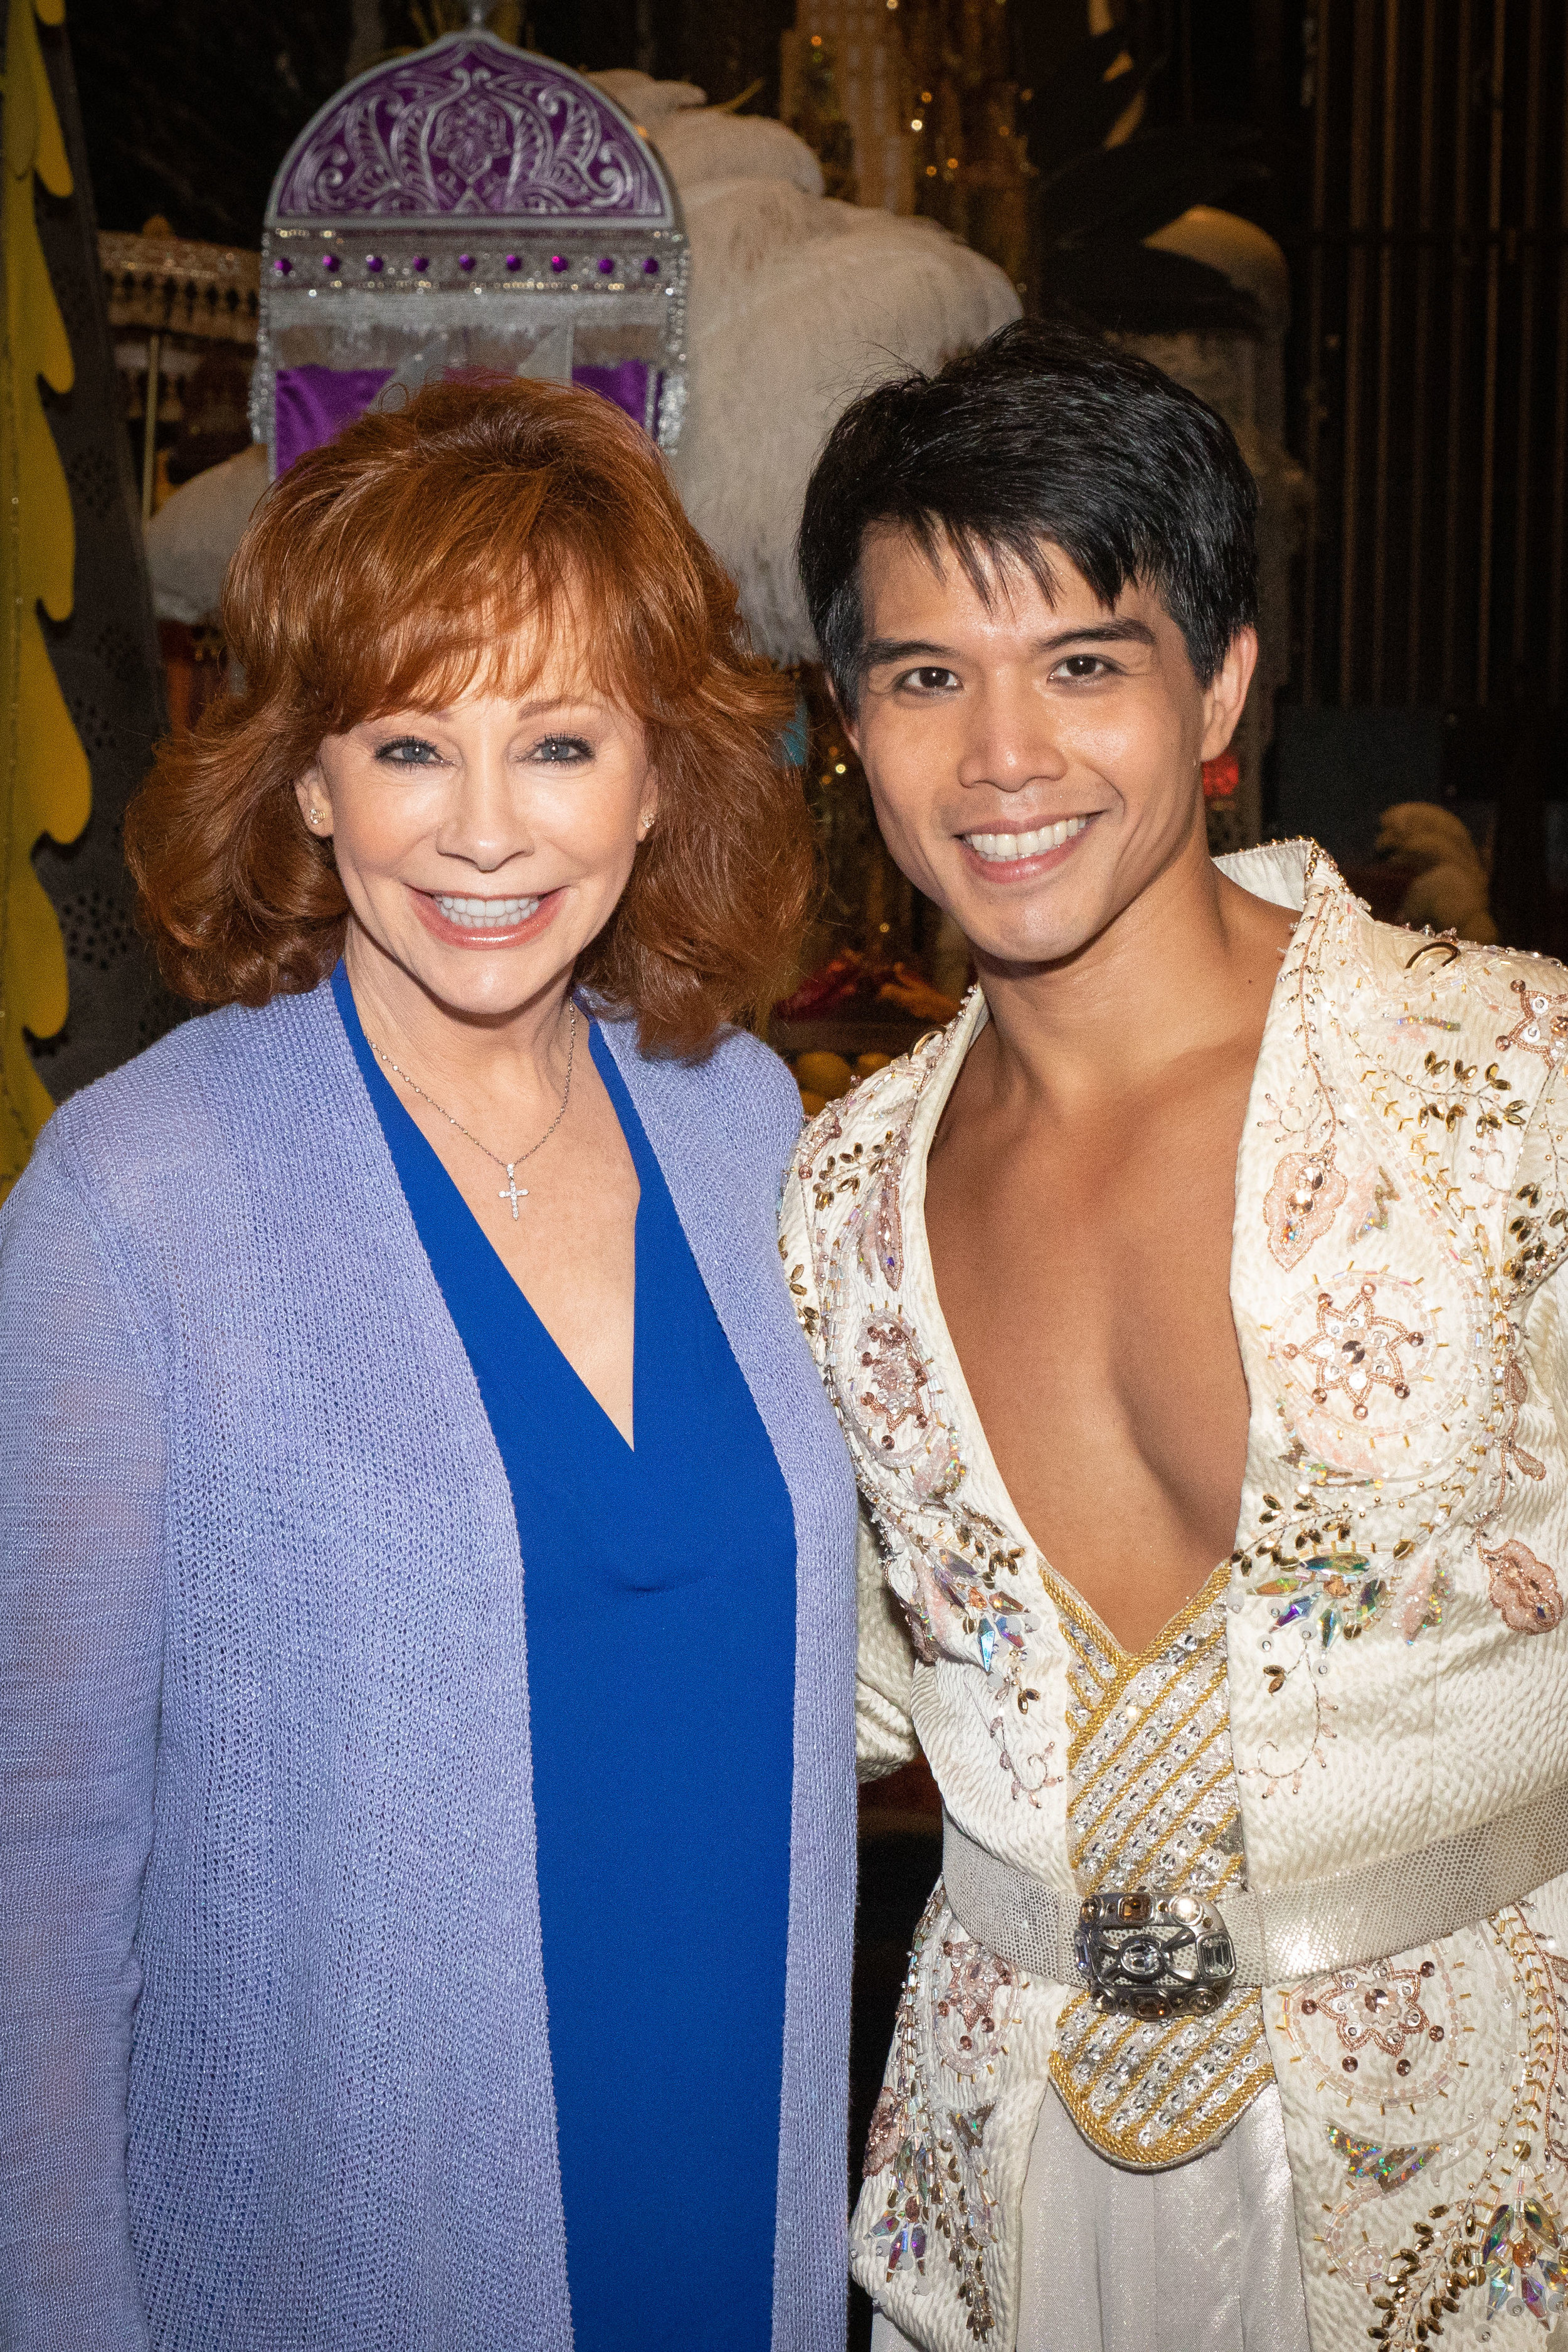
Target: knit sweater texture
{"type": "Point", "coordinates": [274, 2066]}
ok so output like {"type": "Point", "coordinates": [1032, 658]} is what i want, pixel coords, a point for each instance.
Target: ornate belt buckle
{"type": "Point", "coordinates": [1151, 1954]}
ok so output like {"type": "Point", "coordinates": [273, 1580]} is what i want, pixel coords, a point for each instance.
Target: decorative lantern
{"type": "Point", "coordinates": [468, 205]}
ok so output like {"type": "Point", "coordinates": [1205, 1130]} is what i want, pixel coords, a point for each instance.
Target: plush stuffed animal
{"type": "Point", "coordinates": [1450, 887]}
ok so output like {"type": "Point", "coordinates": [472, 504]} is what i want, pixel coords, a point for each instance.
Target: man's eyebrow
{"type": "Point", "coordinates": [1124, 632]}
{"type": "Point", "coordinates": [880, 651]}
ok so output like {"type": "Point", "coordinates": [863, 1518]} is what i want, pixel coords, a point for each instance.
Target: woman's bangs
{"type": "Point", "coordinates": [499, 641]}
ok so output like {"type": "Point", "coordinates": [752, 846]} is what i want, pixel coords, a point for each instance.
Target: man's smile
{"type": "Point", "coordinates": [1006, 848]}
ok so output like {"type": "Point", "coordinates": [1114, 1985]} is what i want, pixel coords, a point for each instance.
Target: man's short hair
{"type": "Point", "coordinates": [1043, 435]}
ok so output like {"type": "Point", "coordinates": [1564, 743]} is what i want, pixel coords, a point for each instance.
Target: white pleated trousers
{"type": "Point", "coordinates": [1199, 2259]}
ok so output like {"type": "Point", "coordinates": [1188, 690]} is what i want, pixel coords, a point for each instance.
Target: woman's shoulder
{"type": "Point", "coordinates": [206, 1059]}
{"type": "Point", "coordinates": [175, 1113]}
{"type": "Point", "coordinates": [739, 1097]}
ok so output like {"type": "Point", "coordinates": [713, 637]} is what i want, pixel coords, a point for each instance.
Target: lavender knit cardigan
{"type": "Point", "coordinates": [274, 2067]}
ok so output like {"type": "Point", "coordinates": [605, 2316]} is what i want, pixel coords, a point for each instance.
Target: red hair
{"type": "Point", "coordinates": [394, 569]}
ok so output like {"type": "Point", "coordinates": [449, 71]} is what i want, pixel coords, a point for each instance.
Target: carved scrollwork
{"type": "Point", "coordinates": [470, 129]}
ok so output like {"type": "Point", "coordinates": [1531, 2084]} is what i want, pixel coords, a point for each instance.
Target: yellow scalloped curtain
{"type": "Point", "coordinates": [44, 782]}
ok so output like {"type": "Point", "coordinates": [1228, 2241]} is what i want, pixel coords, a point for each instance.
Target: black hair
{"type": "Point", "coordinates": [1043, 435]}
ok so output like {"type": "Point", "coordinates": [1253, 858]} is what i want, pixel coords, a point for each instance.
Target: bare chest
{"type": "Point", "coordinates": [1085, 1278]}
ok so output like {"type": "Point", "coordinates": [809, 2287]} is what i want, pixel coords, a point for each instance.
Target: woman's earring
{"type": "Point", "coordinates": [644, 828]}
{"type": "Point", "coordinates": [316, 816]}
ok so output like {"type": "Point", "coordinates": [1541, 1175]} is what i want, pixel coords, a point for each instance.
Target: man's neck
{"type": "Point", "coordinates": [1185, 966]}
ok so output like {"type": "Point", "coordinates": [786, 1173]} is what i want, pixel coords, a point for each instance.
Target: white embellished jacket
{"type": "Point", "coordinates": [1380, 1664]}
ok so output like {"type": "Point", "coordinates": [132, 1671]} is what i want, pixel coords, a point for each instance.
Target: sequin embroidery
{"type": "Point", "coordinates": [1302, 1204]}
{"type": "Point", "coordinates": [889, 1398]}
{"type": "Point", "coordinates": [927, 2141]}
{"type": "Point", "coordinates": [1541, 1026]}
{"type": "Point", "coordinates": [1355, 1348]}
{"type": "Point", "coordinates": [1386, 2041]}
{"type": "Point", "coordinates": [1522, 1589]}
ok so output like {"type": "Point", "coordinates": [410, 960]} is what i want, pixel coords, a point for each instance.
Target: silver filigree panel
{"type": "Point", "coordinates": [470, 128]}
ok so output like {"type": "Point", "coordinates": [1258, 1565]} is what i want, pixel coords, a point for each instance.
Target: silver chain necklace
{"type": "Point", "coordinates": [511, 1190]}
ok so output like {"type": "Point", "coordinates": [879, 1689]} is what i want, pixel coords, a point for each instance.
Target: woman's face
{"type": "Point", "coordinates": [483, 847]}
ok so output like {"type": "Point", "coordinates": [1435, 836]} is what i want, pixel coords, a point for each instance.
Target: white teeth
{"type": "Point", "coordinates": [485, 914]}
{"type": "Point", "coordinates": [1006, 848]}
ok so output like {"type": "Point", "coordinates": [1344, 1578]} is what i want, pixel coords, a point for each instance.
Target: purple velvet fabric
{"type": "Point", "coordinates": [315, 403]}
{"type": "Point", "coordinates": [625, 383]}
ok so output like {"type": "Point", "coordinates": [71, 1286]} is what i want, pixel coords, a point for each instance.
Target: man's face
{"type": "Point", "coordinates": [1035, 765]}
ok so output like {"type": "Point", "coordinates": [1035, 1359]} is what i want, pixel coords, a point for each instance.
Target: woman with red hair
{"type": "Point", "coordinates": [425, 1557]}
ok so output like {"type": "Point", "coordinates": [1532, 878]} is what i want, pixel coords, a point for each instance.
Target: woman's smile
{"type": "Point", "coordinates": [465, 920]}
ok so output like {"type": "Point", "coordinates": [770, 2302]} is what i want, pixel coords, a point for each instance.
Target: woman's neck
{"type": "Point", "coordinates": [480, 1058]}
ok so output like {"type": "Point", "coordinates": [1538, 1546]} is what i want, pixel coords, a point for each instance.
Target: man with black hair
{"type": "Point", "coordinates": [1188, 1306]}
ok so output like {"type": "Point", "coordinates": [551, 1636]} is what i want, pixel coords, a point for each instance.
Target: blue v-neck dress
{"type": "Point", "coordinates": [659, 1593]}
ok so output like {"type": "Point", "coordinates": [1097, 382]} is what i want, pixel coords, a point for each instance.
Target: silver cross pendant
{"type": "Point", "coordinates": [511, 1190]}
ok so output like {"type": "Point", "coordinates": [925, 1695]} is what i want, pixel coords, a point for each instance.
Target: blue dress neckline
{"type": "Point", "coordinates": [415, 1144]}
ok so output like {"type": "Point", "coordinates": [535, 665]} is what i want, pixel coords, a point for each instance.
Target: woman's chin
{"type": "Point", "coordinates": [489, 977]}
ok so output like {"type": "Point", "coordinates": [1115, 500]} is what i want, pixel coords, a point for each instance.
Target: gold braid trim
{"type": "Point", "coordinates": [1153, 1803]}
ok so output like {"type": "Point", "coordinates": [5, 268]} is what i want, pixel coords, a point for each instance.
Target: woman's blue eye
{"type": "Point", "coordinates": [408, 752]}
{"type": "Point", "coordinates": [562, 749]}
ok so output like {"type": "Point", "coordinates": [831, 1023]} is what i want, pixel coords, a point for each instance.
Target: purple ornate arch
{"type": "Point", "coordinates": [469, 128]}
{"type": "Point", "coordinates": [468, 198]}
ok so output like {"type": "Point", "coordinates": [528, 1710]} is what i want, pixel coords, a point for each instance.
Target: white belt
{"type": "Point", "coordinates": [1153, 1951]}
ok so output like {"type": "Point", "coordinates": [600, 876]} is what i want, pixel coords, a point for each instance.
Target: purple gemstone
{"type": "Point", "coordinates": [421, 262]}
{"type": "Point", "coordinates": [373, 262]}
{"type": "Point", "coordinates": [651, 267]}
{"type": "Point", "coordinates": [283, 266]}
{"type": "Point", "coordinates": [328, 261]}
{"type": "Point", "coordinates": [465, 260]}
{"type": "Point", "coordinates": [558, 262]}
{"type": "Point", "coordinates": [606, 265]}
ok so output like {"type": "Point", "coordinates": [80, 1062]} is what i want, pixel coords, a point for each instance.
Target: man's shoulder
{"type": "Point", "coordinates": [1465, 1046]}
{"type": "Point", "coordinates": [851, 1139]}
{"type": "Point", "coordinates": [1486, 1000]}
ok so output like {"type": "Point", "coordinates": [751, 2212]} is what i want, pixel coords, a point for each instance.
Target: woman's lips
{"type": "Point", "coordinates": [461, 919]}
{"type": "Point", "coordinates": [1023, 856]}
